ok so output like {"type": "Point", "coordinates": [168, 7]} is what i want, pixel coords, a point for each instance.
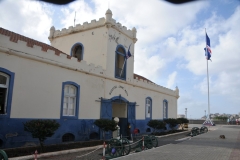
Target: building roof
{"type": "Point", "coordinates": [14, 37]}
{"type": "Point", "coordinates": [141, 77]}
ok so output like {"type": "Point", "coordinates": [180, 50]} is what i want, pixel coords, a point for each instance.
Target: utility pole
{"type": "Point", "coordinates": [185, 112]}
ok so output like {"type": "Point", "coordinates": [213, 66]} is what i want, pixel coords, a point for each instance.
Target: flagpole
{"type": "Point", "coordinates": [122, 67]}
{"type": "Point", "coordinates": [208, 92]}
{"type": "Point", "coordinates": [207, 78]}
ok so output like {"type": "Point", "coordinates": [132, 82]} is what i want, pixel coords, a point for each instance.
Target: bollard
{"type": "Point", "coordinates": [103, 150]}
{"type": "Point", "coordinates": [143, 144]}
{"type": "Point", "coordinates": [35, 155]}
{"type": "Point", "coordinates": [131, 137]}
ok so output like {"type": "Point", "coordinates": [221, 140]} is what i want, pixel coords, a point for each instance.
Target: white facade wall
{"type": "Point", "coordinates": [39, 75]}
{"type": "Point", "coordinates": [38, 85]}
{"type": "Point", "coordinates": [100, 40]}
{"type": "Point", "coordinates": [94, 42]}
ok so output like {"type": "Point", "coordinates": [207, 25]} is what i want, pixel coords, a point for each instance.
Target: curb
{"type": "Point", "coordinates": [54, 153]}
{"type": "Point", "coordinates": [171, 134]}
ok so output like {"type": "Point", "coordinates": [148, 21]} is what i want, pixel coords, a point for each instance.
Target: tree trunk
{"type": "Point", "coordinates": [42, 146]}
{"type": "Point", "coordinates": [103, 134]}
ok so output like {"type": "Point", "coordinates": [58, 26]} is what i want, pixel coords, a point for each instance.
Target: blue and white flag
{"type": "Point", "coordinates": [128, 54]}
{"type": "Point", "coordinates": [208, 53]}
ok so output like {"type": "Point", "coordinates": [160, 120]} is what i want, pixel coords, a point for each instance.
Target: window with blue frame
{"type": "Point", "coordinates": [77, 51]}
{"type": "Point", "coordinates": [148, 108]}
{"type": "Point", "coordinates": [70, 100]}
{"type": "Point", "coordinates": [165, 109]}
{"type": "Point", "coordinates": [6, 89]}
{"type": "Point", "coordinates": [120, 63]}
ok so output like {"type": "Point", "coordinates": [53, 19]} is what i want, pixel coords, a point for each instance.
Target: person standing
{"type": "Point", "coordinates": [128, 131]}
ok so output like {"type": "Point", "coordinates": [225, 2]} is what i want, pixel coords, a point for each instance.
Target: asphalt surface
{"type": "Point", "coordinates": [97, 155]}
{"type": "Point", "coordinates": [208, 146]}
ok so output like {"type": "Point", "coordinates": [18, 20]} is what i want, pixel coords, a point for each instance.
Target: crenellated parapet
{"type": "Point", "coordinates": [18, 45]}
{"type": "Point", "coordinates": [108, 21]}
{"type": "Point", "coordinates": [46, 54]}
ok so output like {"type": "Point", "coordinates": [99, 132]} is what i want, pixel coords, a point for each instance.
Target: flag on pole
{"type": "Point", "coordinates": [208, 53]}
{"type": "Point", "coordinates": [128, 54]}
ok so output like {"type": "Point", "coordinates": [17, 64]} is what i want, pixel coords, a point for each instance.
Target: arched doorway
{"type": "Point", "coordinates": [119, 107]}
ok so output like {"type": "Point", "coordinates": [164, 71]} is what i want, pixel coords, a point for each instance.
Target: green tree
{"type": "Point", "coordinates": [172, 122]}
{"type": "Point", "coordinates": [224, 118]}
{"type": "Point", "coordinates": [41, 129]}
{"type": "Point", "coordinates": [182, 121]}
{"type": "Point", "coordinates": [106, 125]}
{"type": "Point", "coordinates": [156, 125]}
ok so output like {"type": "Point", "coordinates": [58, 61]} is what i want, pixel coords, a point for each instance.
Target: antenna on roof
{"type": "Point", "coordinates": [74, 18]}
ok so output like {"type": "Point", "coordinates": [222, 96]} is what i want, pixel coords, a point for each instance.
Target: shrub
{"type": "Point", "coordinates": [106, 125]}
{"type": "Point", "coordinates": [156, 125]}
{"type": "Point", "coordinates": [41, 129]}
{"type": "Point", "coordinates": [172, 122]}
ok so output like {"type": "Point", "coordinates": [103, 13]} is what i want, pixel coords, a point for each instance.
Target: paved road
{"type": "Point", "coordinates": [98, 154]}
{"type": "Point", "coordinates": [207, 146]}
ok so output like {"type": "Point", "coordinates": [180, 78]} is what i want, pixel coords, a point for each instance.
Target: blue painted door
{"type": "Point", "coordinates": [106, 113]}
{"type": "Point", "coordinates": [106, 109]}
{"type": "Point", "coordinates": [123, 126]}
{"type": "Point", "coordinates": [132, 115]}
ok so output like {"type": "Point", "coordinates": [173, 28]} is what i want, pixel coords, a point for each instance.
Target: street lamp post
{"type": "Point", "coordinates": [186, 112]}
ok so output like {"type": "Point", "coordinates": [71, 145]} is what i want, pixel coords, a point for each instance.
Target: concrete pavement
{"type": "Point", "coordinates": [206, 146]}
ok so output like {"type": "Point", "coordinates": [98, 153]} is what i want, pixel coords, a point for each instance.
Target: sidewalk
{"type": "Point", "coordinates": [207, 146]}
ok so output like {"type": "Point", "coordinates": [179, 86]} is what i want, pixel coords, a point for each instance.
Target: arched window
{"type": "Point", "coordinates": [120, 63]}
{"type": "Point", "coordinates": [148, 107]}
{"type": "Point", "coordinates": [4, 82]}
{"type": "Point", "coordinates": [68, 137]}
{"type": "Point", "coordinates": [77, 51]}
{"type": "Point", "coordinates": [148, 130]}
{"type": "Point", "coordinates": [165, 109]}
{"type": "Point", "coordinates": [6, 88]}
{"type": "Point", "coordinates": [70, 100]}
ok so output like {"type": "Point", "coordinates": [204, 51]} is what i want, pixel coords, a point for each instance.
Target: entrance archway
{"type": "Point", "coordinates": [119, 107]}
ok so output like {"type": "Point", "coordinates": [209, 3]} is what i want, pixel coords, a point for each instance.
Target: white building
{"type": "Point", "coordinates": [81, 77]}
{"type": "Point", "coordinates": [180, 116]}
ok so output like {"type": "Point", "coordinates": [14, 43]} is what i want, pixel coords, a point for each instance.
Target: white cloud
{"type": "Point", "coordinates": [227, 84]}
{"type": "Point", "coordinates": [195, 108]}
{"type": "Point", "coordinates": [30, 18]}
{"type": "Point", "coordinates": [166, 34]}
{"type": "Point", "coordinates": [171, 80]}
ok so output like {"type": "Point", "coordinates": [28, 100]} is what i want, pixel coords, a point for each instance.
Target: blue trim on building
{"type": "Point", "coordinates": [166, 108]}
{"type": "Point", "coordinates": [125, 65]}
{"type": "Point", "coordinates": [119, 97]}
{"type": "Point", "coordinates": [10, 91]}
{"type": "Point", "coordinates": [77, 100]}
{"type": "Point", "coordinates": [150, 108]}
{"type": "Point", "coordinates": [76, 44]}
{"type": "Point", "coordinates": [14, 135]}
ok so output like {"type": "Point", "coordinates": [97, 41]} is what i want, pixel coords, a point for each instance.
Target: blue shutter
{"type": "Point", "coordinates": [132, 115]}
{"type": "Point", "coordinates": [106, 109]}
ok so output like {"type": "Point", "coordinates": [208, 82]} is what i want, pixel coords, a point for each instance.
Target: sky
{"type": "Point", "coordinates": [170, 46]}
